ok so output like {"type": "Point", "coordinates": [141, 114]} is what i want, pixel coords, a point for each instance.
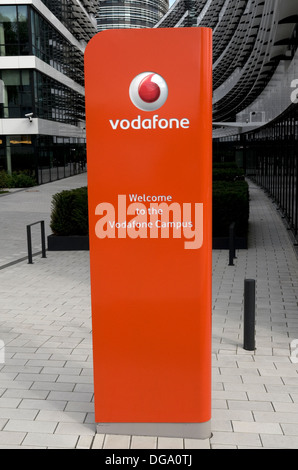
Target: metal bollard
{"type": "Point", "coordinates": [232, 250]}
{"type": "Point", "coordinates": [249, 314]}
{"type": "Point", "coordinates": [29, 244]}
{"type": "Point", "coordinates": [43, 239]}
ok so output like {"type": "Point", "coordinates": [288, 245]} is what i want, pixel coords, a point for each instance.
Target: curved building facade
{"type": "Point", "coordinates": [130, 13]}
{"type": "Point", "coordinates": [254, 49]}
{"type": "Point", "coordinates": [255, 89]}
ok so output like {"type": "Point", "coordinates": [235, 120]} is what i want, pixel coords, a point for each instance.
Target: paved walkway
{"type": "Point", "coordinates": [23, 207]}
{"type": "Point", "coordinates": [46, 382]}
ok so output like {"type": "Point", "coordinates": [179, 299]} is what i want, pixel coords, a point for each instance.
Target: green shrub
{"type": "Point", "coordinates": [3, 179]}
{"type": "Point", "coordinates": [69, 214]}
{"type": "Point", "coordinates": [227, 174]}
{"type": "Point", "coordinates": [16, 180]}
{"type": "Point", "coordinates": [230, 204]}
{"type": "Point", "coordinates": [225, 165]}
{"type": "Point", "coordinates": [21, 180]}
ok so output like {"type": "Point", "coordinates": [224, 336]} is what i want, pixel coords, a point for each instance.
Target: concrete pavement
{"type": "Point", "coordinates": [46, 382]}
{"type": "Point", "coordinates": [26, 206]}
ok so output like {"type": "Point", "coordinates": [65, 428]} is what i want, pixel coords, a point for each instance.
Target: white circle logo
{"type": "Point", "coordinates": [148, 91]}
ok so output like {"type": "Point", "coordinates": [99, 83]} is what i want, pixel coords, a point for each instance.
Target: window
{"type": "Point", "coordinates": [55, 101]}
{"type": "Point", "coordinates": [14, 32]}
{"type": "Point", "coordinates": [51, 47]}
{"type": "Point", "coordinates": [17, 97]}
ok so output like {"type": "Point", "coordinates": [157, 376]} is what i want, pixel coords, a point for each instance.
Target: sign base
{"type": "Point", "coordinates": [183, 430]}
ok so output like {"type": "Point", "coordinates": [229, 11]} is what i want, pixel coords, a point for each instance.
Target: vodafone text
{"type": "Point", "coordinates": [154, 123]}
{"type": "Point", "coordinates": [151, 221]}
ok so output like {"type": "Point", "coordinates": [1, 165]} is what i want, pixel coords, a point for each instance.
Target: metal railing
{"type": "Point", "coordinates": [278, 176]}
{"type": "Point", "coordinates": [29, 240]}
{"type": "Point", "coordinates": [271, 160]}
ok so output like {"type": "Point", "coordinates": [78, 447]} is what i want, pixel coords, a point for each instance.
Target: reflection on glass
{"type": "Point", "coordinates": [16, 93]}
{"type": "Point", "coordinates": [14, 33]}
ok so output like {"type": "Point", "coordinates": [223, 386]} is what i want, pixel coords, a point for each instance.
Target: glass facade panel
{"type": "Point", "coordinates": [47, 158]}
{"type": "Point", "coordinates": [20, 35]}
{"type": "Point", "coordinates": [3, 156]}
{"type": "Point", "coordinates": [24, 31]}
{"type": "Point", "coordinates": [130, 13]}
{"type": "Point", "coordinates": [22, 153]}
{"type": "Point", "coordinates": [57, 102]}
{"type": "Point", "coordinates": [59, 157]}
{"type": "Point", "coordinates": [51, 47]}
{"type": "Point", "coordinates": [26, 91]}
{"type": "Point", "coordinates": [17, 96]}
{"type": "Point", "coordinates": [14, 30]}
{"type": "Point", "coordinates": [270, 158]}
{"type": "Point", "coordinates": [17, 154]}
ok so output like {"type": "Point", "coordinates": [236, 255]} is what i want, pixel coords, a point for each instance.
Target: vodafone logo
{"type": "Point", "coordinates": [148, 91]}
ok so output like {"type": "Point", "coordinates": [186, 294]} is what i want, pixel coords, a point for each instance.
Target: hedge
{"type": "Point", "coordinates": [230, 204]}
{"type": "Point", "coordinates": [227, 174]}
{"type": "Point", "coordinates": [69, 214]}
{"type": "Point", "coordinates": [16, 180]}
{"type": "Point", "coordinates": [225, 165]}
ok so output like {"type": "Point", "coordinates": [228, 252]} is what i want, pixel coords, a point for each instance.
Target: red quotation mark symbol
{"type": "Point", "coordinates": [149, 91]}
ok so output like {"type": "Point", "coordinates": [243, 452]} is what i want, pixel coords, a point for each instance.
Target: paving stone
{"type": "Point", "coordinates": [84, 442]}
{"type": "Point", "coordinates": [46, 382]}
{"type": "Point", "coordinates": [257, 428]}
{"type": "Point", "coordinates": [30, 426]}
{"type": "Point", "coordinates": [269, 397]}
{"type": "Point", "coordinates": [98, 441]}
{"type": "Point", "coordinates": [197, 444]}
{"type": "Point", "coordinates": [143, 442]}
{"type": "Point", "coordinates": [169, 443]}
{"type": "Point", "coordinates": [277, 417]}
{"type": "Point", "coordinates": [270, 441]}
{"type": "Point", "coordinates": [3, 422]}
{"type": "Point", "coordinates": [8, 438]}
{"type": "Point", "coordinates": [235, 438]}
{"type": "Point", "coordinates": [290, 429]}
{"type": "Point", "coordinates": [70, 396]}
{"type": "Point", "coordinates": [79, 429]}
{"type": "Point", "coordinates": [61, 416]}
{"type": "Point", "coordinates": [30, 404]}
{"type": "Point", "coordinates": [116, 442]}
{"type": "Point", "coordinates": [50, 440]}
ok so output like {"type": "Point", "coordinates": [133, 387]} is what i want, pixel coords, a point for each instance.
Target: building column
{"type": "Point", "coordinates": [8, 156]}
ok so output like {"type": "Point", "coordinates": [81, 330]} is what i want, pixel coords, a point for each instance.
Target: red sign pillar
{"type": "Point", "coordinates": [149, 140]}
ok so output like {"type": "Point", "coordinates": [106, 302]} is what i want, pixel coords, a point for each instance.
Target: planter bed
{"type": "Point", "coordinates": [68, 242]}
{"type": "Point", "coordinates": [81, 242]}
{"type": "Point", "coordinates": [222, 243]}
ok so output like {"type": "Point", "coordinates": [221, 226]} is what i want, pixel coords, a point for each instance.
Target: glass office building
{"type": "Point", "coordinates": [130, 13]}
{"type": "Point", "coordinates": [255, 89]}
{"type": "Point", "coordinates": [42, 104]}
